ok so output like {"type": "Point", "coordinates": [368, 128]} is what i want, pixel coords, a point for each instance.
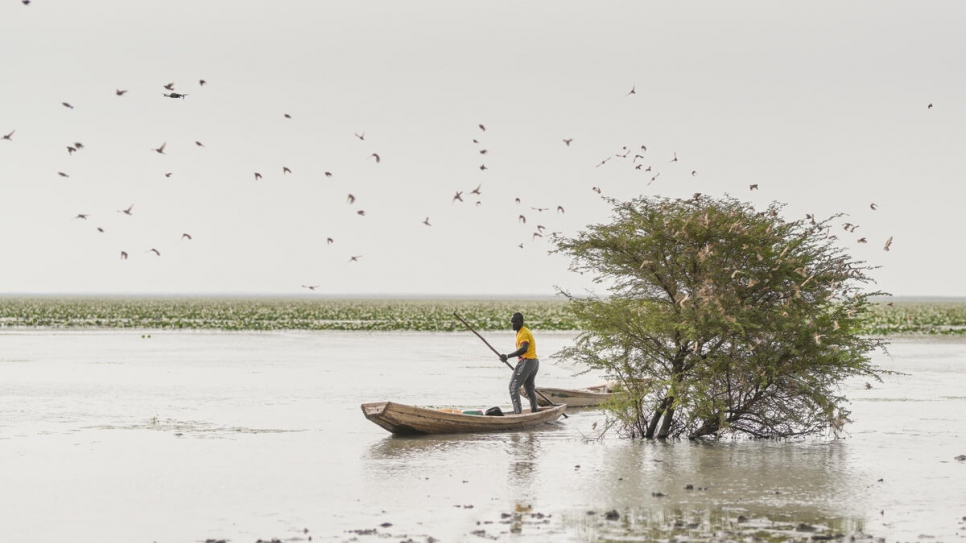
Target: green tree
{"type": "Point", "coordinates": [720, 318]}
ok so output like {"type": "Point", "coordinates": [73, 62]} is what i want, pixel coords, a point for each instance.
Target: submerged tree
{"type": "Point", "coordinates": [721, 318]}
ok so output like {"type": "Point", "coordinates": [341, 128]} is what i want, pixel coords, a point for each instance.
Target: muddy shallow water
{"type": "Point", "coordinates": [185, 436]}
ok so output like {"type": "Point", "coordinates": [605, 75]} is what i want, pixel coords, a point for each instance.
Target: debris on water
{"type": "Point", "coordinates": [802, 527]}
{"type": "Point", "coordinates": [612, 515]}
{"type": "Point", "coordinates": [657, 494]}
{"type": "Point", "coordinates": [386, 524]}
{"type": "Point", "coordinates": [961, 458]}
{"type": "Point", "coordinates": [688, 487]}
{"type": "Point", "coordinates": [742, 518]}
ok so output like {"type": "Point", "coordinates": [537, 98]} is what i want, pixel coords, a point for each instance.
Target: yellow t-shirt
{"type": "Point", "coordinates": [524, 335]}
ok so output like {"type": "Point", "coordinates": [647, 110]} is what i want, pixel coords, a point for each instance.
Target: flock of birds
{"type": "Point", "coordinates": [637, 156]}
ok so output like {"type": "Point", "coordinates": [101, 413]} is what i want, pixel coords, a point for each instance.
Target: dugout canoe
{"type": "Point", "coordinates": [408, 420]}
{"type": "Point", "coordinates": [573, 397]}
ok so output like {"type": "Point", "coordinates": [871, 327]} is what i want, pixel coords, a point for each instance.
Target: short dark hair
{"type": "Point", "coordinates": [517, 316]}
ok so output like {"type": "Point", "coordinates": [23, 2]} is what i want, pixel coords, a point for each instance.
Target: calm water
{"type": "Point", "coordinates": [182, 436]}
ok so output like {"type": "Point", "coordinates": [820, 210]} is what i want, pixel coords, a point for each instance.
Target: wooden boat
{"type": "Point", "coordinates": [407, 419]}
{"type": "Point", "coordinates": [573, 397]}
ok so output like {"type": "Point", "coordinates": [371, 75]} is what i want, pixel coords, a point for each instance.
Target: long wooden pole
{"type": "Point", "coordinates": [497, 353]}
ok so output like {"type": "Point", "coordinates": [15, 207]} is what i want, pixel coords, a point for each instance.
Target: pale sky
{"type": "Point", "coordinates": [823, 105]}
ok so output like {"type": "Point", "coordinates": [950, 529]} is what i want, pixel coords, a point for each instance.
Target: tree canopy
{"type": "Point", "coordinates": [720, 318]}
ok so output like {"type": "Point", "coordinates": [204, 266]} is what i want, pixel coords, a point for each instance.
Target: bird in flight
{"type": "Point", "coordinates": [285, 170]}
{"type": "Point", "coordinates": [539, 209]}
{"type": "Point", "coordinates": [458, 196]}
{"type": "Point", "coordinates": [175, 95]}
{"type": "Point", "coordinates": [632, 91]}
{"type": "Point", "coordinates": [186, 236]}
{"type": "Point", "coordinates": [199, 144]}
{"type": "Point", "coordinates": [483, 166]}
{"type": "Point", "coordinates": [426, 221]}
{"type": "Point", "coordinates": [522, 219]}
{"type": "Point", "coordinates": [567, 141]}
{"type": "Point", "coordinates": [123, 255]}
{"type": "Point", "coordinates": [560, 209]}
{"type": "Point", "coordinates": [753, 186]}
{"type": "Point", "coordinates": [62, 174]}
{"type": "Point", "coordinates": [374, 155]}
{"type": "Point", "coordinates": [862, 240]}
{"type": "Point", "coordinates": [310, 287]}
{"type": "Point", "coordinates": [257, 176]}
{"type": "Point", "coordinates": [361, 136]}
{"type": "Point", "coordinates": [329, 241]}
{"type": "Point", "coordinates": [81, 216]}
{"type": "Point", "coordinates": [328, 174]}
{"type": "Point", "coordinates": [68, 106]}
{"type": "Point", "coordinates": [483, 128]}
{"type": "Point", "coordinates": [929, 106]}
{"type": "Point", "coordinates": [202, 82]}
{"type": "Point", "coordinates": [155, 251]}
{"type": "Point", "coordinates": [888, 244]}
{"type": "Point", "coordinates": [355, 258]}
{"type": "Point", "coordinates": [160, 150]}
{"type": "Point", "coordinates": [675, 159]}
{"type": "Point", "coordinates": [477, 190]}
{"type": "Point", "coordinates": [126, 211]}
{"type": "Point", "coordinates": [9, 137]}
{"type": "Point", "coordinates": [169, 86]}
{"type": "Point", "coordinates": [873, 206]}
{"type": "Point", "coordinates": [361, 213]}
{"type": "Point", "coordinates": [350, 198]}
{"type": "Point", "coordinates": [71, 150]}
{"type": "Point", "coordinates": [120, 92]}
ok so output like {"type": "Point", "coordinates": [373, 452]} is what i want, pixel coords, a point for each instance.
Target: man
{"type": "Point", "coordinates": [527, 366]}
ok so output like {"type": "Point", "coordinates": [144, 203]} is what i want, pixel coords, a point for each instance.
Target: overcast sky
{"type": "Point", "coordinates": [824, 105]}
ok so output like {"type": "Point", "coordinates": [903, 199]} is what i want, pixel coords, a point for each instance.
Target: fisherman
{"type": "Point", "coordinates": [526, 370]}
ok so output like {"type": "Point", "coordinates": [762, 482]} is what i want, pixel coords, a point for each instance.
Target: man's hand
{"type": "Point", "coordinates": [503, 358]}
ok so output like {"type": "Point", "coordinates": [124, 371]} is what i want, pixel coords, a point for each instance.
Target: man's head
{"type": "Point", "coordinates": [517, 321]}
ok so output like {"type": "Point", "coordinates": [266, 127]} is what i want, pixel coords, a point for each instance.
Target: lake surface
{"type": "Point", "coordinates": [133, 436]}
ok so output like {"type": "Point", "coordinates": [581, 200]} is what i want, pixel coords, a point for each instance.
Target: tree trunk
{"type": "Point", "coordinates": [666, 425]}
{"type": "Point", "coordinates": [657, 417]}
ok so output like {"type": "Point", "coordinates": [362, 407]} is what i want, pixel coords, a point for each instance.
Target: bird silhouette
{"type": "Point", "coordinates": [120, 92]}
{"type": "Point", "coordinates": [285, 170]}
{"type": "Point", "coordinates": [355, 258]}
{"type": "Point", "coordinates": [536, 235]}
{"type": "Point", "coordinates": [361, 213]}
{"type": "Point", "coordinates": [155, 251]}
{"type": "Point", "coordinates": [560, 209]}
{"type": "Point", "coordinates": [71, 150]}
{"type": "Point", "coordinates": [175, 95]}
{"type": "Point", "coordinates": [123, 255]}
{"type": "Point", "coordinates": [675, 159]}
{"type": "Point", "coordinates": [126, 211]}
{"type": "Point", "coordinates": [202, 82]}
{"type": "Point", "coordinates": [929, 106]}
{"type": "Point", "coordinates": [81, 216]}
{"type": "Point", "coordinates": [888, 244]}
{"type": "Point", "coordinates": [426, 221]}
{"type": "Point", "coordinates": [160, 150]}
{"type": "Point", "coordinates": [862, 240]}
{"type": "Point", "coordinates": [567, 141]}
{"type": "Point", "coordinates": [458, 196]}
{"type": "Point", "coordinates": [9, 136]}
{"type": "Point", "coordinates": [186, 236]}
{"type": "Point", "coordinates": [477, 190]}
{"type": "Point", "coordinates": [310, 287]}
{"type": "Point", "coordinates": [361, 136]}
{"type": "Point", "coordinates": [286, 115]}
{"type": "Point", "coordinates": [873, 206]}
{"type": "Point", "coordinates": [199, 144]}
{"type": "Point", "coordinates": [522, 219]}
{"type": "Point", "coordinates": [257, 176]}
{"type": "Point", "coordinates": [329, 241]}
{"type": "Point", "coordinates": [483, 128]}
{"type": "Point", "coordinates": [169, 86]}
{"type": "Point", "coordinates": [483, 167]}
{"type": "Point", "coordinates": [68, 106]}
{"type": "Point", "coordinates": [328, 174]}
{"type": "Point", "coordinates": [632, 91]}
{"type": "Point", "coordinates": [350, 198]}
{"type": "Point", "coordinates": [483, 151]}
{"type": "Point", "coordinates": [753, 186]}
{"type": "Point", "coordinates": [374, 155]}
{"type": "Point", "coordinates": [62, 174]}
{"type": "Point", "coordinates": [539, 209]}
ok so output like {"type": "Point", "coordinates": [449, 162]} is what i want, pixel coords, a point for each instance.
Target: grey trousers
{"type": "Point", "coordinates": [524, 375]}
